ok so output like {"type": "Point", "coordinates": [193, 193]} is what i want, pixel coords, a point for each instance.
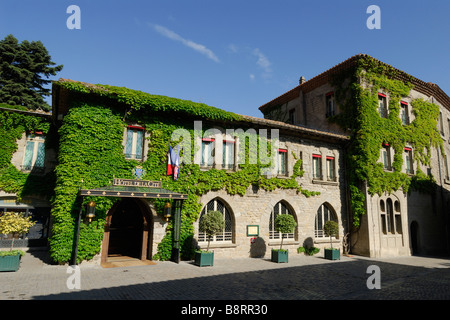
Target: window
{"type": "Point", "coordinates": [330, 105]}
{"type": "Point", "coordinates": [409, 161]}
{"type": "Point", "coordinates": [446, 168]}
{"type": "Point", "coordinates": [317, 166]}
{"type": "Point", "coordinates": [404, 112]}
{"type": "Point", "coordinates": [324, 214]}
{"type": "Point", "coordinates": [228, 154]}
{"type": "Point", "coordinates": [34, 153]}
{"type": "Point", "coordinates": [448, 125]}
{"type": "Point", "coordinates": [441, 124]}
{"type": "Point", "coordinates": [382, 105]}
{"type": "Point", "coordinates": [227, 233]}
{"type": "Point", "coordinates": [280, 162]}
{"type": "Point", "coordinates": [279, 208]}
{"type": "Point", "coordinates": [207, 159]}
{"type": "Point", "coordinates": [292, 116]}
{"type": "Point", "coordinates": [134, 145]}
{"type": "Point", "coordinates": [391, 222]}
{"type": "Point", "coordinates": [386, 154]}
{"type": "Point", "coordinates": [331, 169]}
{"type": "Point", "coordinates": [398, 219]}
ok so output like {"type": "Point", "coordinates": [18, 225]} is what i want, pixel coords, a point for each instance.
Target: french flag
{"type": "Point", "coordinates": [173, 163]}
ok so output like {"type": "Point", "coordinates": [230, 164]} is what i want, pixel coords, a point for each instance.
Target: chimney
{"type": "Point", "coordinates": [302, 80]}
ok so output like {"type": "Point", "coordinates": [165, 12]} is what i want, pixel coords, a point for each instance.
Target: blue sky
{"type": "Point", "coordinates": [235, 55]}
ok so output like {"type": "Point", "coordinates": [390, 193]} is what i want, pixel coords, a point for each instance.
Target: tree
{"type": "Point", "coordinates": [284, 223]}
{"type": "Point", "coordinates": [14, 223]}
{"type": "Point", "coordinates": [331, 228]}
{"type": "Point", "coordinates": [23, 67]}
{"type": "Point", "coordinates": [211, 223]}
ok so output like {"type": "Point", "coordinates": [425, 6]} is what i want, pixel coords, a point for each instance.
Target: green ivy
{"type": "Point", "coordinates": [98, 115]}
{"type": "Point", "coordinates": [12, 126]}
{"type": "Point", "coordinates": [358, 99]}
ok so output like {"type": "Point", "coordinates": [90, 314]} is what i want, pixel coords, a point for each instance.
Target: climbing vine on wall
{"type": "Point", "coordinates": [12, 126]}
{"type": "Point", "coordinates": [98, 115]}
{"type": "Point", "coordinates": [357, 95]}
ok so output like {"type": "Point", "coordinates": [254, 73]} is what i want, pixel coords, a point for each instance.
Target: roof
{"type": "Point", "coordinates": [28, 112]}
{"type": "Point", "coordinates": [230, 117]}
{"type": "Point", "coordinates": [297, 129]}
{"type": "Point", "coordinates": [426, 88]}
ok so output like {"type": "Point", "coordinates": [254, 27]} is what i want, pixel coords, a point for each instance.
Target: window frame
{"type": "Point", "coordinates": [409, 161]}
{"type": "Point", "coordinates": [404, 113]}
{"type": "Point", "coordinates": [37, 140]}
{"type": "Point", "coordinates": [383, 111]}
{"type": "Point", "coordinates": [282, 207]}
{"type": "Point", "coordinates": [320, 219]}
{"type": "Point", "coordinates": [331, 164]}
{"type": "Point", "coordinates": [207, 158]}
{"type": "Point", "coordinates": [317, 169]}
{"type": "Point", "coordinates": [226, 156]}
{"type": "Point", "coordinates": [281, 162]}
{"type": "Point", "coordinates": [330, 105]}
{"type": "Point", "coordinates": [227, 235]}
{"type": "Point", "coordinates": [386, 157]}
{"type": "Point", "coordinates": [133, 155]}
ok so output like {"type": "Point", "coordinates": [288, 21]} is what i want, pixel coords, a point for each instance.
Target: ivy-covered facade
{"type": "Point", "coordinates": [363, 144]}
{"type": "Point", "coordinates": [396, 163]}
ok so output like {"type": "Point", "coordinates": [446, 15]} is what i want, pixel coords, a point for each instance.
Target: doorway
{"type": "Point", "coordinates": [127, 231]}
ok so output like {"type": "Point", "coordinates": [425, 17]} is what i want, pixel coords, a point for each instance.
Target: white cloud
{"type": "Point", "coordinates": [263, 62]}
{"type": "Point", "coordinates": [188, 43]}
{"type": "Point", "coordinates": [252, 76]}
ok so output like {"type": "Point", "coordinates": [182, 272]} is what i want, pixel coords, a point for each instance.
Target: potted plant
{"type": "Point", "coordinates": [331, 229]}
{"type": "Point", "coordinates": [284, 223]}
{"type": "Point", "coordinates": [211, 224]}
{"type": "Point", "coordinates": [13, 223]}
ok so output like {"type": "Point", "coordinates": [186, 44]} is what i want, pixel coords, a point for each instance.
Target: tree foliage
{"type": "Point", "coordinates": [211, 224]}
{"type": "Point", "coordinates": [24, 72]}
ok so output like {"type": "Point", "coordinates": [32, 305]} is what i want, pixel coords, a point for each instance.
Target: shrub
{"type": "Point", "coordinates": [211, 223]}
{"type": "Point", "coordinates": [331, 229]}
{"type": "Point", "coordinates": [284, 223]}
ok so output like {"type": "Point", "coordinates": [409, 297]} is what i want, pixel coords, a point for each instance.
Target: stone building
{"type": "Point", "coordinates": [398, 222]}
{"type": "Point", "coordinates": [97, 133]}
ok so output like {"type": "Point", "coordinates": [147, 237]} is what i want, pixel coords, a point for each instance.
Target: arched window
{"type": "Point", "coordinates": [279, 208]}
{"type": "Point", "coordinates": [227, 234]}
{"type": "Point", "coordinates": [324, 214]}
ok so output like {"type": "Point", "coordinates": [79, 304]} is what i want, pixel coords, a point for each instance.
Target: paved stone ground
{"type": "Point", "coordinates": [303, 278]}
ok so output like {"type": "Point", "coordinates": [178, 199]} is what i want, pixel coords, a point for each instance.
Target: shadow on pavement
{"type": "Point", "coordinates": [326, 281]}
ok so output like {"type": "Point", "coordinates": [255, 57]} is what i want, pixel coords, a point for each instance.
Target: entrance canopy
{"type": "Point", "coordinates": [134, 192]}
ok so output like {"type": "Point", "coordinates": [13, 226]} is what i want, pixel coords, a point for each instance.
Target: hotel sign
{"type": "Point", "coordinates": [136, 183]}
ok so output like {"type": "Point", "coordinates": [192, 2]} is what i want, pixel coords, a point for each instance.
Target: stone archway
{"type": "Point", "coordinates": [128, 231]}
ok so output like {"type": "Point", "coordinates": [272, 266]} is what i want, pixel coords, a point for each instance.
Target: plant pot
{"type": "Point", "coordinates": [203, 258]}
{"type": "Point", "coordinates": [332, 254]}
{"type": "Point", "coordinates": [279, 256]}
{"type": "Point", "coordinates": [9, 263]}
